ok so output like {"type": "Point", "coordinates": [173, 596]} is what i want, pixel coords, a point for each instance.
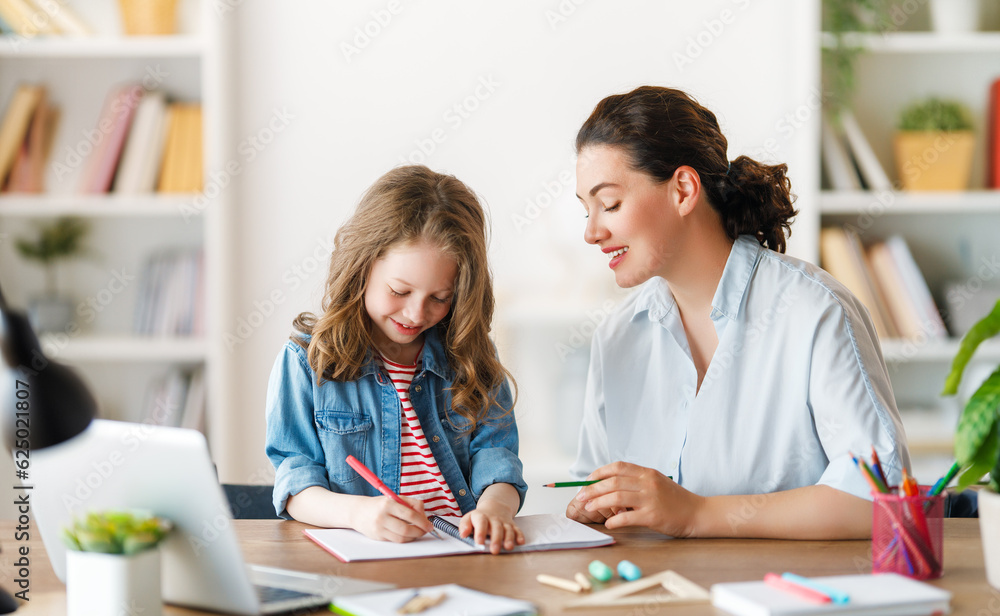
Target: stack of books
{"type": "Point", "coordinates": [886, 279]}
{"type": "Point", "coordinates": [177, 399]}
{"type": "Point", "coordinates": [171, 291]}
{"type": "Point", "coordinates": [141, 143]}
{"type": "Point", "coordinates": [849, 161]}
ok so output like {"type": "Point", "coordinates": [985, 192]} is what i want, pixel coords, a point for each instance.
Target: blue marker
{"type": "Point", "coordinates": [629, 571]}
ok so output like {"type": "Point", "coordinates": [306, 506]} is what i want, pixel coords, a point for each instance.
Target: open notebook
{"type": "Point", "coordinates": [547, 531]}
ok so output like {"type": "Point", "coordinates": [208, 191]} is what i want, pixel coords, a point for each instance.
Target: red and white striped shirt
{"type": "Point", "coordinates": [420, 476]}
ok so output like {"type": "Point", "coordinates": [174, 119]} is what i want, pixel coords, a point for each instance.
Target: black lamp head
{"type": "Point", "coordinates": [51, 397]}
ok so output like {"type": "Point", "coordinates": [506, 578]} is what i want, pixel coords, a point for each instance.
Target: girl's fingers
{"type": "Point", "coordinates": [519, 535]}
{"type": "Point", "coordinates": [482, 526]}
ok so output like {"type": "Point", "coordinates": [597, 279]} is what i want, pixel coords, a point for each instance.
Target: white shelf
{"type": "Point", "coordinates": [857, 202]}
{"type": "Point", "coordinates": [919, 42]}
{"type": "Point", "coordinates": [124, 348]}
{"type": "Point", "coordinates": [895, 350]}
{"type": "Point", "coordinates": [95, 205]}
{"type": "Point", "coordinates": [181, 46]}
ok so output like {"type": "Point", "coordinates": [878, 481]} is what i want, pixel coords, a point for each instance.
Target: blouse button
{"type": "Point", "coordinates": [461, 492]}
{"type": "Point", "coordinates": [417, 388]}
{"type": "Point", "coordinates": [436, 438]}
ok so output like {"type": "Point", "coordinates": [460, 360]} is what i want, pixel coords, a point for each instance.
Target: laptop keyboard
{"type": "Point", "coordinates": [272, 594]}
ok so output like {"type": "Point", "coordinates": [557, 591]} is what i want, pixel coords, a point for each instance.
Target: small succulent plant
{"type": "Point", "coordinates": [115, 532]}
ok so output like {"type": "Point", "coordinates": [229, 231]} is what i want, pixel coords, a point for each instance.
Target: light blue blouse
{"type": "Point", "coordinates": [796, 383]}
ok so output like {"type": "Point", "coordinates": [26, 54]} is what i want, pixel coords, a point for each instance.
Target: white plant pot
{"type": "Point", "coordinates": [102, 584]}
{"type": "Point", "coordinates": [954, 16]}
{"type": "Point", "coordinates": [989, 528]}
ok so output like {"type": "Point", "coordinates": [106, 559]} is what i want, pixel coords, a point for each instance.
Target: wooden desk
{"type": "Point", "coordinates": [704, 561]}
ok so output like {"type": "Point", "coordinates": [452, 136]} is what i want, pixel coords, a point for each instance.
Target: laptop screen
{"type": "Point", "coordinates": [166, 471]}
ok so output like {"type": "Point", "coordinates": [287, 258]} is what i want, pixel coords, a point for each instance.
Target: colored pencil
{"type": "Point", "coordinates": [943, 482]}
{"type": "Point", "coordinates": [868, 475]}
{"type": "Point", "coordinates": [877, 466]}
{"type": "Point", "coordinates": [376, 483]}
{"type": "Point", "coordinates": [569, 484]}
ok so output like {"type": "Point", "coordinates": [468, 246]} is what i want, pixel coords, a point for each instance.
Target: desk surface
{"type": "Point", "coordinates": [703, 561]}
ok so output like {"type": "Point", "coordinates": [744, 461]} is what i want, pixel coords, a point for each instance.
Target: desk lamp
{"type": "Point", "coordinates": [59, 406]}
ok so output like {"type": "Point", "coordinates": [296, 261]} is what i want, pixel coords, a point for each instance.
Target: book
{"type": "Point", "coordinates": [193, 415]}
{"type": "Point", "coordinates": [836, 159]}
{"type": "Point", "coordinates": [143, 149]}
{"type": "Point", "coordinates": [993, 137]}
{"type": "Point", "coordinates": [872, 594]}
{"type": "Point", "coordinates": [843, 257]}
{"type": "Point", "coordinates": [457, 600]}
{"type": "Point", "coordinates": [547, 531]}
{"type": "Point", "coordinates": [112, 128]}
{"type": "Point", "coordinates": [15, 125]}
{"type": "Point", "coordinates": [27, 175]}
{"type": "Point", "coordinates": [890, 280]}
{"type": "Point", "coordinates": [182, 170]}
{"type": "Point", "coordinates": [871, 169]}
{"type": "Point", "coordinates": [916, 289]}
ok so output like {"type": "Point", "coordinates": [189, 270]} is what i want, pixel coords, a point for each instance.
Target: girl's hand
{"type": "Point", "coordinates": [384, 519]}
{"type": "Point", "coordinates": [494, 519]}
{"type": "Point", "coordinates": [638, 496]}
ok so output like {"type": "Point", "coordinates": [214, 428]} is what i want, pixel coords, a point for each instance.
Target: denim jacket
{"type": "Point", "coordinates": [312, 428]}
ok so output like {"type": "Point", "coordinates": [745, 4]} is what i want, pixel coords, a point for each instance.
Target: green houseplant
{"type": "Point", "coordinates": [56, 241]}
{"type": "Point", "coordinates": [977, 438]}
{"type": "Point", "coordinates": [113, 561]}
{"type": "Point", "coordinates": [842, 18]}
{"type": "Point", "coordinates": [934, 145]}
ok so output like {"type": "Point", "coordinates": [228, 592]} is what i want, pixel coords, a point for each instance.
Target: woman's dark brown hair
{"type": "Point", "coordinates": [661, 129]}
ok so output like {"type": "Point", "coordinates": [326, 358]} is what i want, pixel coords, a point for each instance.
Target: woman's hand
{"type": "Point", "coordinates": [576, 511]}
{"type": "Point", "coordinates": [632, 495]}
{"type": "Point", "coordinates": [384, 519]}
{"type": "Point", "coordinates": [494, 518]}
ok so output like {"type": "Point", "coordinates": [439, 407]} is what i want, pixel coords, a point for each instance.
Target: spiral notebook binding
{"type": "Point", "coordinates": [449, 528]}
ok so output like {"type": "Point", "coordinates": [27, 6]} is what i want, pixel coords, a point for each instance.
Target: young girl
{"type": "Point", "coordinates": [399, 372]}
{"type": "Point", "coordinates": [726, 394]}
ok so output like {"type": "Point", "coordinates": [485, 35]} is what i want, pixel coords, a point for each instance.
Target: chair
{"type": "Point", "coordinates": [963, 504]}
{"type": "Point", "coordinates": [250, 502]}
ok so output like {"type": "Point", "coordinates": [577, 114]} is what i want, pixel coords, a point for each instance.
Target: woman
{"type": "Point", "coordinates": [725, 395]}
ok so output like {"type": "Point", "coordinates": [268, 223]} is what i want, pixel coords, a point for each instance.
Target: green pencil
{"type": "Point", "coordinates": [569, 484]}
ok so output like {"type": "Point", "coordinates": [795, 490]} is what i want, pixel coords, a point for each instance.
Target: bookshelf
{"type": "Point", "coordinates": [951, 234]}
{"type": "Point", "coordinates": [126, 230]}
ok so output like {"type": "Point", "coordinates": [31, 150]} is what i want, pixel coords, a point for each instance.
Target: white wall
{"type": "Point", "coordinates": [526, 73]}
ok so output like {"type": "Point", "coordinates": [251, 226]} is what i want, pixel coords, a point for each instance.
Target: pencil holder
{"type": "Point", "coordinates": [907, 534]}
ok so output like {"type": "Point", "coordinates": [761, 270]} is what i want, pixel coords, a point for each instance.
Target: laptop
{"type": "Point", "coordinates": [168, 472]}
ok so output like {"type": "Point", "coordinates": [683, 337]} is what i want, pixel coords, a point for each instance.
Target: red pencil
{"type": "Point", "coordinates": [373, 479]}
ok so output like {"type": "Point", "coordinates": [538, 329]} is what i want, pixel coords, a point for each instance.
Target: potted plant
{"type": "Point", "coordinates": [58, 240]}
{"type": "Point", "coordinates": [841, 19]}
{"type": "Point", "coordinates": [113, 564]}
{"type": "Point", "coordinates": [954, 16]}
{"type": "Point", "coordinates": [934, 145]}
{"type": "Point", "coordinates": [977, 439]}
